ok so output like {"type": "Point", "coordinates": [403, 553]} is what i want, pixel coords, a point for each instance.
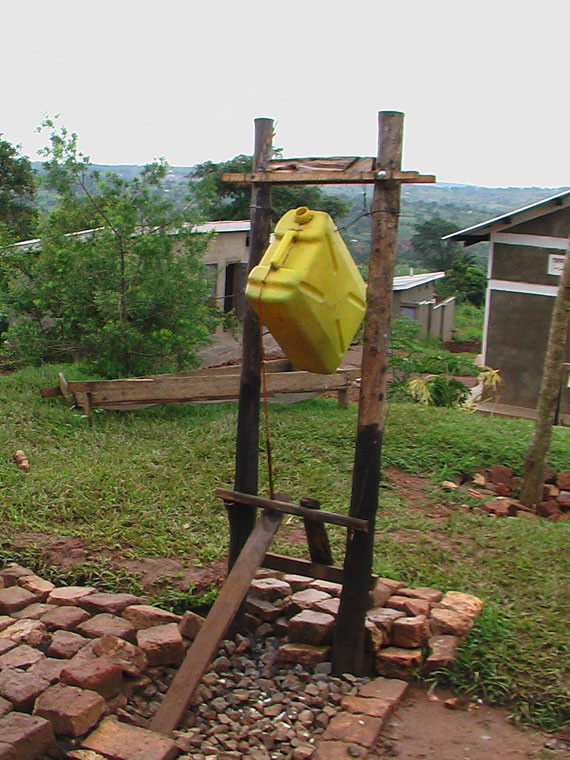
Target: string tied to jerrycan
{"type": "Point", "coordinates": [308, 291]}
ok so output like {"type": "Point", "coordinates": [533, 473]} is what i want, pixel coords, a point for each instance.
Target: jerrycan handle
{"type": "Point", "coordinates": [280, 254]}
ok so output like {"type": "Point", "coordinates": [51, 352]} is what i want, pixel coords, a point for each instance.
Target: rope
{"type": "Point", "coordinates": [264, 393]}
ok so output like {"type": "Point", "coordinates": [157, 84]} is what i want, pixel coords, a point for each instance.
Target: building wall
{"type": "Point", "coordinates": [518, 323]}
{"type": "Point", "coordinates": [225, 249]}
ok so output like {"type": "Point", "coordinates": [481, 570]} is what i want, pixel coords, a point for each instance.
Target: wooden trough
{"type": "Point", "coordinates": [203, 385]}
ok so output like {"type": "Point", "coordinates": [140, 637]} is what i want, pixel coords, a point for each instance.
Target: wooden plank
{"type": "Point", "coordinates": [274, 365]}
{"type": "Point", "coordinates": [303, 567]}
{"type": "Point", "coordinates": [327, 177]}
{"type": "Point", "coordinates": [348, 646]}
{"type": "Point", "coordinates": [206, 643]}
{"type": "Point", "coordinates": [171, 389]}
{"type": "Point", "coordinates": [317, 538]}
{"type": "Point", "coordinates": [235, 497]}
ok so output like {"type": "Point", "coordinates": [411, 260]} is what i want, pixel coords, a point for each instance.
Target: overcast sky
{"type": "Point", "coordinates": [483, 84]}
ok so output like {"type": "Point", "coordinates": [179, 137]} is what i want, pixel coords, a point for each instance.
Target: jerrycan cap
{"type": "Point", "coordinates": [303, 215]}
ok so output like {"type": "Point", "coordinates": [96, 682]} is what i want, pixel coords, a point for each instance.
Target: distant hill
{"type": "Point", "coordinates": [464, 205]}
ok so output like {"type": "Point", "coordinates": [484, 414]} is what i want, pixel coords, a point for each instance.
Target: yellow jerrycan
{"type": "Point", "coordinates": [308, 291]}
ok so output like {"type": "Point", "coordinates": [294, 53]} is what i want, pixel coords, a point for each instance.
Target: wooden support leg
{"type": "Point", "coordinates": [207, 641]}
{"type": "Point", "coordinates": [342, 395]}
{"type": "Point", "coordinates": [317, 537]}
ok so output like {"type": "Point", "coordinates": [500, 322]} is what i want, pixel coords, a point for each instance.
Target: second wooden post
{"type": "Point", "coordinates": [348, 649]}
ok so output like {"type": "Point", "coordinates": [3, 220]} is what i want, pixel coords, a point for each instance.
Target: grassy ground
{"type": "Point", "coordinates": [468, 322]}
{"type": "Point", "coordinates": [141, 485]}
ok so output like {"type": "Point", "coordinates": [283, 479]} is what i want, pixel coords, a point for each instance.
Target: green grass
{"type": "Point", "coordinates": [468, 322]}
{"type": "Point", "coordinates": [142, 485]}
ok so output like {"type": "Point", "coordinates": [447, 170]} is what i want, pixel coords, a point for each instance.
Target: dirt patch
{"type": "Point", "coordinates": [472, 346]}
{"type": "Point", "coordinates": [153, 573]}
{"type": "Point", "coordinates": [414, 490]}
{"type": "Point", "coordinates": [420, 728]}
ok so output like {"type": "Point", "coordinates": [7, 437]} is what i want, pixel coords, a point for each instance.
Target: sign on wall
{"type": "Point", "coordinates": [555, 264]}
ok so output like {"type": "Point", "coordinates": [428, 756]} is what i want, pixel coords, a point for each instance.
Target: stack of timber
{"type": "Point", "coordinates": [203, 385]}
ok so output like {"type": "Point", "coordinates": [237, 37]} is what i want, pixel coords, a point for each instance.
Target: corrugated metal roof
{"type": "Point", "coordinates": [482, 230]}
{"type": "Point", "coordinates": [409, 281]}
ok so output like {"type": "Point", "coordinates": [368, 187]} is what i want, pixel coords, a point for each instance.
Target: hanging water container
{"type": "Point", "coordinates": [308, 291]}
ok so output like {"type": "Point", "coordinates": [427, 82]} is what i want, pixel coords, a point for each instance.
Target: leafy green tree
{"type": "Point", "coordinates": [228, 200]}
{"type": "Point", "coordinates": [433, 252]}
{"type": "Point", "coordinates": [18, 217]}
{"type": "Point", "coordinates": [130, 296]}
{"type": "Point", "coordinates": [465, 281]}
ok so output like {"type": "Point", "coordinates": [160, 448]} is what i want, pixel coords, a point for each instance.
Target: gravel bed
{"type": "Point", "coordinates": [248, 705]}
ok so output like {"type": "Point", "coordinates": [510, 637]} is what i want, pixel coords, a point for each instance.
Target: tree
{"type": "Point", "coordinates": [18, 217]}
{"type": "Point", "coordinates": [129, 296]}
{"type": "Point", "coordinates": [465, 281]}
{"type": "Point", "coordinates": [431, 250]}
{"type": "Point", "coordinates": [228, 200]}
{"type": "Point", "coordinates": [531, 492]}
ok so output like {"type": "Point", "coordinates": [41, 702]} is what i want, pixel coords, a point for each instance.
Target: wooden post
{"type": "Point", "coordinates": [348, 649]}
{"type": "Point", "coordinates": [242, 518]}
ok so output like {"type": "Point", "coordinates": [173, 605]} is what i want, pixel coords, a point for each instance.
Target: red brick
{"type": "Point", "coordinates": [6, 620]}
{"type": "Point", "coordinates": [119, 741]}
{"type": "Point", "coordinates": [396, 662]}
{"type": "Point", "coordinates": [21, 688]}
{"type": "Point", "coordinates": [302, 654]}
{"type": "Point", "coordinates": [5, 707]}
{"type": "Point", "coordinates": [297, 582]}
{"type": "Point", "coordinates": [305, 600]}
{"type": "Point", "coordinates": [357, 729]}
{"type": "Point", "coordinates": [376, 708]}
{"type": "Point", "coordinates": [65, 644]}
{"type": "Point", "coordinates": [107, 625]}
{"type": "Point", "coordinates": [411, 632]}
{"type": "Point", "coordinates": [563, 480]}
{"type": "Point", "coordinates": [32, 632]}
{"type": "Point", "coordinates": [22, 656]}
{"type": "Point", "coordinates": [441, 652]}
{"type": "Point", "coordinates": [71, 711]}
{"type": "Point", "coordinates": [145, 616]}
{"type": "Point", "coordinates": [190, 624]}
{"type": "Point", "coordinates": [64, 618]}
{"type": "Point", "coordinates": [101, 675]}
{"type": "Point", "coordinates": [269, 589]}
{"type": "Point", "coordinates": [113, 604]}
{"type": "Point", "coordinates": [420, 592]}
{"type": "Point", "coordinates": [466, 604]}
{"type": "Point", "coordinates": [386, 689]}
{"type": "Point", "coordinates": [48, 668]}
{"type": "Point", "coordinates": [162, 644]}
{"type": "Point", "coordinates": [500, 474]}
{"type": "Point", "coordinates": [30, 735]}
{"type": "Point", "coordinates": [12, 572]}
{"type": "Point", "coordinates": [408, 605]}
{"type": "Point", "coordinates": [131, 659]}
{"type": "Point", "coordinates": [334, 589]}
{"type": "Point", "coordinates": [563, 499]}
{"type": "Point", "coordinates": [15, 598]}
{"type": "Point", "coordinates": [330, 606]}
{"type": "Point", "coordinates": [6, 645]}
{"type": "Point", "coordinates": [7, 752]}
{"type": "Point", "coordinates": [69, 595]}
{"type": "Point", "coordinates": [444, 621]}
{"type": "Point", "coordinates": [392, 584]}
{"type": "Point", "coordinates": [311, 627]}
{"type": "Point", "coordinates": [36, 586]}
{"type": "Point", "coordinates": [379, 595]}
{"type": "Point", "coordinates": [384, 618]}
{"type": "Point", "coordinates": [262, 609]}
{"type": "Point", "coordinates": [33, 611]}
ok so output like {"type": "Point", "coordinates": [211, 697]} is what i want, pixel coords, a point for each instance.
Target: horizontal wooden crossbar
{"type": "Point", "coordinates": [318, 515]}
{"type": "Point", "coordinates": [327, 177]}
{"type": "Point", "coordinates": [296, 566]}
